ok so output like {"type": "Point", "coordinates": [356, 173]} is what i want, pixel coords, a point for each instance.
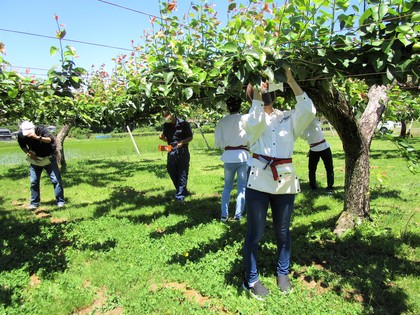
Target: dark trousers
{"type": "Point", "coordinates": [178, 164]}
{"type": "Point", "coordinates": [257, 206]}
{"type": "Point", "coordinates": [326, 157]}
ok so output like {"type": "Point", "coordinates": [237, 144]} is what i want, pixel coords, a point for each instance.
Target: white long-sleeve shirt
{"type": "Point", "coordinates": [229, 133]}
{"type": "Point", "coordinates": [274, 135]}
{"type": "Point", "coordinates": [313, 134]}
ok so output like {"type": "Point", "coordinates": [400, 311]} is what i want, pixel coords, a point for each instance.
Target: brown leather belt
{"type": "Point", "coordinates": [239, 147]}
{"type": "Point", "coordinates": [272, 162]}
{"type": "Point", "coordinates": [315, 144]}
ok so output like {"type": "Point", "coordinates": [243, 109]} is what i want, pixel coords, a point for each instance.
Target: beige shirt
{"type": "Point", "coordinates": [274, 135]}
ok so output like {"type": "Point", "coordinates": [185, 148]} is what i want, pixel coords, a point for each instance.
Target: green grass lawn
{"type": "Point", "coordinates": [122, 246]}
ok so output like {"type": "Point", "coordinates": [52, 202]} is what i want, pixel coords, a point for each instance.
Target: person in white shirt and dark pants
{"type": "Point", "coordinates": [232, 138]}
{"type": "Point", "coordinates": [272, 179]}
{"type": "Point", "coordinates": [319, 149]}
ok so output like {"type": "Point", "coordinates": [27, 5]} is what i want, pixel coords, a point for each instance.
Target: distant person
{"type": "Point", "coordinates": [177, 133]}
{"type": "Point", "coordinates": [39, 147]}
{"type": "Point", "coordinates": [231, 137]}
{"type": "Point", "coordinates": [272, 179]}
{"type": "Point", "coordinates": [319, 149]}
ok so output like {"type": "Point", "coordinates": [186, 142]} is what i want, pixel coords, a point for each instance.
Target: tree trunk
{"type": "Point", "coordinates": [356, 137]}
{"type": "Point", "coordinates": [61, 136]}
{"type": "Point", "coordinates": [403, 131]}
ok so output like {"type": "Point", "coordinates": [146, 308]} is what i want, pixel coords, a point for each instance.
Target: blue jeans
{"type": "Point", "coordinates": [55, 177]}
{"type": "Point", "coordinates": [257, 206]}
{"type": "Point", "coordinates": [230, 169]}
{"type": "Point", "coordinates": [178, 164]}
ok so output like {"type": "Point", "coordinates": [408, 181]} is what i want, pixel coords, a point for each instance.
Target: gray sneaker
{"type": "Point", "coordinates": [258, 290]}
{"type": "Point", "coordinates": [32, 207]}
{"type": "Point", "coordinates": [284, 284]}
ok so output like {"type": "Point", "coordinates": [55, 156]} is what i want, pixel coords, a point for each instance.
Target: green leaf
{"type": "Point", "coordinates": [60, 34]}
{"type": "Point", "coordinates": [168, 76]}
{"type": "Point", "coordinates": [202, 76]}
{"type": "Point", "coordinates": [260, 32]}
{"type": "Point", "coordinates": [404, 28]}
{"type": "Point", "coordinates": [214, 72]}
{"type": "Point", "coordinates": [263, 57]}
{"type": "Point", "coordinates": [53, 50]}
{"type": "Point", "coordinates": [389, 75]}
{"type": "Point", "coordinates": [188, 92]}
{"type": "Point", "coordinates": [71, 50]}
{"type": "Point", "coordinates": [151, 59]}
{"type": "Point", "coordinates": [251, 52]}
{"type": "Point", "coordinates": [270, 74]}
{"type": "Point", "coordinates": [13, 93]}
{"type": "Point", "coordinates": [325, 85]}
{"type": "Point", "coordinates": [230, 47]}
{"type": "Point", "coordinates": [249, 38]}
{"type": "Point", "coordinates": [250, 63]}
{"type": "Point", "coordinates": [365, 15]}
{"type": "Point", "coordinates": [404, 39]}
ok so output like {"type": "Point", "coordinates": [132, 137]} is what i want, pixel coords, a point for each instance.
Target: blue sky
{"type": "Point", "coordinates": [90, 21]}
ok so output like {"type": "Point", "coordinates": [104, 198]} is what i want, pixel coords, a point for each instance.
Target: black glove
{"type": "Point", "coordinates": [268, 97]}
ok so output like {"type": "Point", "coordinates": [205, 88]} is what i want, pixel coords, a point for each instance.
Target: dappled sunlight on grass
{"type": "Point", "coordinates": [123, 239]}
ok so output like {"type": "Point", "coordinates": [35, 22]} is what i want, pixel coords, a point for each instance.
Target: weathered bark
{"type": "Point", "coordinates": [356, 137]}
{"type": "Point", "coordinates": [61, 136]}
{"type": "Point", "coordinates": [403, 131]}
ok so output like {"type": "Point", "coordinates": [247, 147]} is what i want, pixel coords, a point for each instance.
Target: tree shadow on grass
{"type": "Point", "coordinates": [16, 173]}
{"type": "Point", "coordinates": [198, 211]}
{"type": "Point", "coordinates": [369, 264]}
{"type": "Point", "coordinates": [131, 199]}
{"type": "Point", "coordinates": [383, 192]}
{"type": "Point", "coordinates": [359, 268]}
{"type": "Point", "coordinates": [102, 173]}
{"type": "Point", "coordinates": [36, 247]}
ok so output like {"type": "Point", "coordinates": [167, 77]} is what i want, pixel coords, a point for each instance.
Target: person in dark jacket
{"type": "Point", "coordinates": [177, 134]}
{"type": "Point", "coordinates": [39, 147]}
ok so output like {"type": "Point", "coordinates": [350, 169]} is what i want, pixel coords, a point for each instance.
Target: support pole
{"type": "Point", "coordinates": [132, 139]}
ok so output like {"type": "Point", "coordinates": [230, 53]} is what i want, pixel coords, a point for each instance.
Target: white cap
{"type": "Point", "coordinates": [27, 127]}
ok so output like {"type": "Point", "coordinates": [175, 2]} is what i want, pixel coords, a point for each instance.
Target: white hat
{"type": "Point", "coordinates": [27, 127]}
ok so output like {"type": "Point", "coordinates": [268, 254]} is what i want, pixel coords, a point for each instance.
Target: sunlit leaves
{"type": "Point", "coordinates": [70, 51]}
{"type": "Point", "coordinates": [53, 50]}
{"type": "Point", "coordinates": [230, 47]}
{"type": "Point", "coordinates": [168, 76]}
{"type": "Point", "coordinates": [188, 92]}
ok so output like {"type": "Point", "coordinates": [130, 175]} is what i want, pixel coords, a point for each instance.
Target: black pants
{"type": "Point", "coordinates": [178, 164]}
{"type": "Point", "coordinates": [326, 157]}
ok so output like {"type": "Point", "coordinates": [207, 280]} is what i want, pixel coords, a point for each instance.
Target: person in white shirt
{"type": "Point", "coordinates": [272, 178]}
{"type": "Point", "coordinates": [232, 138]}
{"type": "Point", "coordinates": [319, 148]}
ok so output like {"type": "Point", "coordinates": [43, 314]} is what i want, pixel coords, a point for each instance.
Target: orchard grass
{"type": "Point", "coordinates": [122, 244]}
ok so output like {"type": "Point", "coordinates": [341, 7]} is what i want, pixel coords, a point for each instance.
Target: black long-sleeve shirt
{"type": "Point", "coordinates": [41, 149]}
{"type": "Point", "coordinates": [176, 132]}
